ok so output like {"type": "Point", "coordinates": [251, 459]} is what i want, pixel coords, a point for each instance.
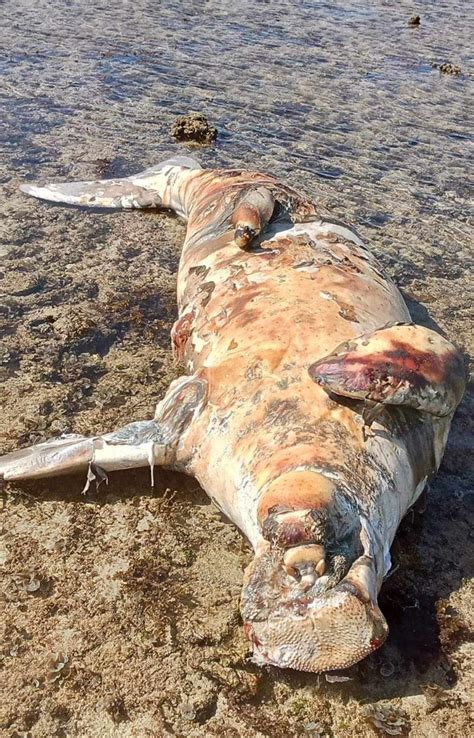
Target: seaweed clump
{"type": "Point", "coordinates": [193, 127]}
{"type": "Point", "coordinates": [387, 720]}
{"type": "Point", "coordinates": [447, 68]}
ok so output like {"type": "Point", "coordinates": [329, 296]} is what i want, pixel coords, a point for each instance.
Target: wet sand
{"type": "Point", "coordinates": [135, 591]}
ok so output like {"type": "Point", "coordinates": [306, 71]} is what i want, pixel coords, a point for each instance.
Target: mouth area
{"type": "Point", "coordinates": [310, 630]}
{"type": "Point", "coordinates": [336, 631]}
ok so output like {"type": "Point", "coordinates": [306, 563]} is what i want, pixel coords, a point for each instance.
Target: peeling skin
{"type": "Point", "coordinates": [283, 327]}
{"type": "Point", "coordinates": [400, 365]}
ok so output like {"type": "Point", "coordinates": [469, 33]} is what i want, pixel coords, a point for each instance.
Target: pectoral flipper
{"type": "Point", "coordinates": [405, 365]}
{"type": "Point", "coordinates": [136, 445]}
{"type": "Point", "coordinates": [140, 444]}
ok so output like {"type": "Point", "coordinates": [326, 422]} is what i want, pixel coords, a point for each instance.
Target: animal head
{"type": "Point", "coordinates": [310, 595]}
{"type": "Point", "coordinates": [310, 628]}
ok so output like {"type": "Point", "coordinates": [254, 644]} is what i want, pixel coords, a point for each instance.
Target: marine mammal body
{"type": "Point", "coordinates": [313, 411]}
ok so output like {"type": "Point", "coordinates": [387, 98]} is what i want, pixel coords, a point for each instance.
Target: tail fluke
{"type": "Point", "coordinates": [105, 193]}
{"type": "Point", "coordinates": [143, 190]}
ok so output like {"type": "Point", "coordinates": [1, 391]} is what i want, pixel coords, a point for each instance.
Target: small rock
{"type": "Point", "coordinates": [27, 582]}
{"type": "Point", "coordinates": [33, 585]}
{"type": "Point", "coordinates": [59, 668]}
{"type": "Point", "coordinates": [193, 127]}
{"type": "Point", "coordinates": [414, 21]}
{"type": "Point", "coordinates": [316, 730]}
{"type": "Point", "coordinates": [447, 68]}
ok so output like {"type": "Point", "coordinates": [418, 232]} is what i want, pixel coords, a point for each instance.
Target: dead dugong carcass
{"type": "Point", "coordinates": [313, 411]}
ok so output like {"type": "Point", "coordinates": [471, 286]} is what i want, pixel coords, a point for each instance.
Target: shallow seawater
{"type": "Point", "coordinates": [342, 101]}
{"type": "Point", "coordinates": [339, 98]}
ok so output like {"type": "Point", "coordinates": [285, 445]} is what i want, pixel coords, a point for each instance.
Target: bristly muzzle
{"type": "Point", "coordinates": [308, 630]}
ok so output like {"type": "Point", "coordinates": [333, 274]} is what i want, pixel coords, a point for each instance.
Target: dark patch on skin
{"type": "Point", "coordinates": [282, 412]}
{"type": "Point", "coordinates": [206, 290]}
{"type": "Point", "coordinates": [299, 435]}
{"type": "Point", "coordinates": [201, 270]}
{"type": "Point", "coordinates": [171, 177]}
{"type": "Point", "coordinates": [249, 429]}
{"type": "Point", "coordinates": [255, 371]}
{"type": "Point", "coordinates": [347, 311]}
{"type": "Point", "coordinates": [287, 531]}
{"type": "Point", "coordinates": [180, 334]}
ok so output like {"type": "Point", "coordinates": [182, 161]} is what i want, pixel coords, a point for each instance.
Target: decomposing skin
{"type": "Point", "coordinates": [295, 346]}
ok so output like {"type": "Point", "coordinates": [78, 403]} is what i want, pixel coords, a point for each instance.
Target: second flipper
{"type": "Point", "coordinates": [406, 365]}
{"type": "Point", "coordinates": [140, 444]}
{"type": "Point", "coordinates": [135, 445]}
